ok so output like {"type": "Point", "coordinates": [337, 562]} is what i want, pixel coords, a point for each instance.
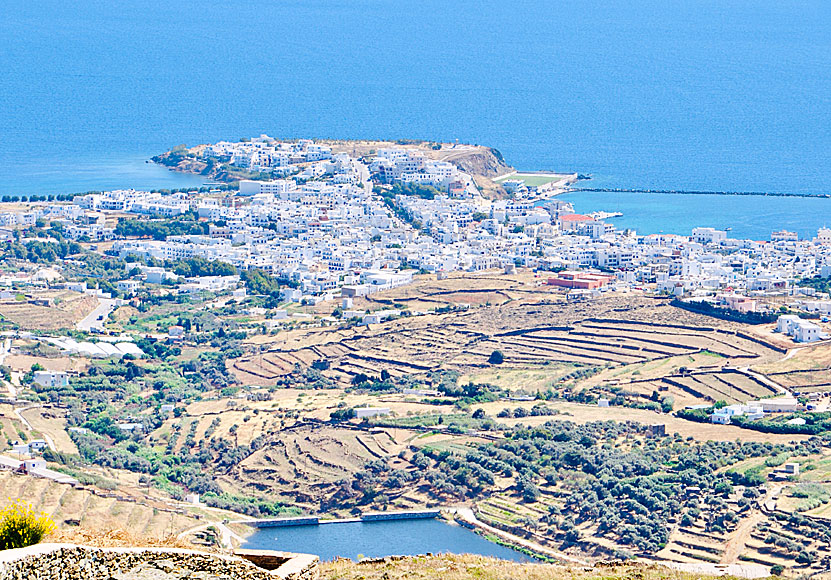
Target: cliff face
{"type": "Point", "coordinates": [484, 161]}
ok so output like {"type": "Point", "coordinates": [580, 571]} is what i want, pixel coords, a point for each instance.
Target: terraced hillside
{"type": "Point", "coordinates": [306, 463]}
{"type": "Point", "coordinates": [95, 510]}
{"type": "Point", "coordinates": [530, 330]}
{"type": "Point", "coordinates": [731, 385]}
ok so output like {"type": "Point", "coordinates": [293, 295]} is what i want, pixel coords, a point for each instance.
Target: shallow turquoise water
{"type": "Point", "coordinates": [752, 217]}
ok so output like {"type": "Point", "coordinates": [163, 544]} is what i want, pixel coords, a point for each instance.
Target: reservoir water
{"type": "Point", "coordinates": [378, 539]}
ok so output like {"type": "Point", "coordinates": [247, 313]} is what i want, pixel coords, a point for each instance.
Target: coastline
{"type": "Point", "coordinates": [477, 160]}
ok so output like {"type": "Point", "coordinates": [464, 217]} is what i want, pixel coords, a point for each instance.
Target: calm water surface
{"type": "Point", "coordinates": [750, 217]}
{"type": "Point", "coordinates": [680, 94]}
{"type": "Point", "coordinates": [723, 95]}
{"type": "Point", "coordinates": [377, 539]}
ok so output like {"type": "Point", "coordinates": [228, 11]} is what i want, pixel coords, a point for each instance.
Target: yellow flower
{"type": "Point", "coordinates": [21, 526]}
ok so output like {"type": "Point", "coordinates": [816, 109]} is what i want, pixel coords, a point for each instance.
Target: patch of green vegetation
{"type": "Point", "coordinates": [818, 283]}
{"type": "Point", "coordinates": [813, 495]}
{"type": "Point", "coordinates": [530, 179]}
{"type": "Point", "coordinates": [611, 477]}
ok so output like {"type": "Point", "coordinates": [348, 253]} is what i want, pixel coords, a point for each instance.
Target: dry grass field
{"type": "Point", "coordinates": [69, 309]}
{"type": "Point", "coordinates": [52, 422]}
{"type": "Point", "coordinates": [806, 369]}
{"type": "Point", "coordinates": [95, 512]}
{"type": "Point", "coordinates": [24, 362]}
{"type": "Point", "coordinates": [528, 380]}
{"type": "Point", "coordinates": [579, 413]}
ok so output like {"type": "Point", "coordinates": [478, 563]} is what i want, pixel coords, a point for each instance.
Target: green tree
{"type": "Point", "coordinates": [496, 358]}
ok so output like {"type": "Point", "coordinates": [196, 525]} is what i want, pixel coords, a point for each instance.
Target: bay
{"type": "Point", "coordinates": [745, 216]}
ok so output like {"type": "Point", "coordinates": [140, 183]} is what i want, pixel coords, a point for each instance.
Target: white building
{"type": "Point", "coordinates": [364, 412]}
{"type": "Point", "coordinates": [797, 328]}
{"type": "Point", "coordinates": [51, 378]}
{"type": "Point", "coordinates": [708, 235]}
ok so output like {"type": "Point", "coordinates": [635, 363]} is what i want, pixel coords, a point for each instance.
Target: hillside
{"type": "Point", "coordinates": [467, 567]}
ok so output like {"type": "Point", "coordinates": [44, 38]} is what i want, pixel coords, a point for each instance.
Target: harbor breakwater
{"type": "Point", "coordinates": [693, 192]}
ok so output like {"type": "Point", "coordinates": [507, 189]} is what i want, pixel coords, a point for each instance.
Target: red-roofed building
{"type": "Point", "coordinates": [573, 221]}
{"type": "Point", "coordinates": [581, 280]}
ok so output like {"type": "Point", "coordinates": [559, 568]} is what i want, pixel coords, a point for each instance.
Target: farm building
{"type": "Point", "coordinates": [580, 280]}
{"type": "Point", "coordinates": [722, 416]}
{"type": "Point", "coordinates": [777, 405]}
{"type": "Point", "coordinates": [51, 378]}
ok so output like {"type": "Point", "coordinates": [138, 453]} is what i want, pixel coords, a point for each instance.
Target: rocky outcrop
{"type": "Point", "coordinates": [71, 562]}
{"type": "Point", "coordinates": [484, 161]}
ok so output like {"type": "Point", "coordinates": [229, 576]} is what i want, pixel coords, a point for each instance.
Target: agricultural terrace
{"type": "Point", "coordinates": [634, 343]}
{"type": "Point", "coordinates": [610, 489]}
{"type": "Point", "coordinates": [806, 369]}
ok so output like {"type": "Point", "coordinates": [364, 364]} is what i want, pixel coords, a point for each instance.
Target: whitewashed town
{"type": "Point", "coordinates": [336, 226]}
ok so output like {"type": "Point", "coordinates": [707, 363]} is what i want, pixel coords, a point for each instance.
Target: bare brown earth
{"type": "Point", "coordinates": [68, 311]}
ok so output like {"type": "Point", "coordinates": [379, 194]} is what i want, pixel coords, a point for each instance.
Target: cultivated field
{"type": "Point", "coordinates": [532, 326]}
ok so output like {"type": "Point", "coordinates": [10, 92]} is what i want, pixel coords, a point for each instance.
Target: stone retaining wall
{"type": "Point", "coordinates": [71, 562]}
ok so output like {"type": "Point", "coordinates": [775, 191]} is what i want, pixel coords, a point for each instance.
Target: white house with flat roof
{"type": "Point", "coordinates": [51, 378]}
{"type": "Point", "coordinates": [722, 416]}
{"type": "Point", "coordinates": [797, 328]}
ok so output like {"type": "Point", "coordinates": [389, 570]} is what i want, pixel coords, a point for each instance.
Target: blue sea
{"type": "Point", "coordinates": [660, 94]}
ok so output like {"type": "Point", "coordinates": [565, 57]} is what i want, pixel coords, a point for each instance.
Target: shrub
{"type": "Point", "coordinates": [496, 358]}
{"type": "Point", "coordinates": [20, 526]}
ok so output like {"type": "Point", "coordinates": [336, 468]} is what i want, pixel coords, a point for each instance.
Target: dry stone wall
{"type": "Point", "coordinates": [71, 562]}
